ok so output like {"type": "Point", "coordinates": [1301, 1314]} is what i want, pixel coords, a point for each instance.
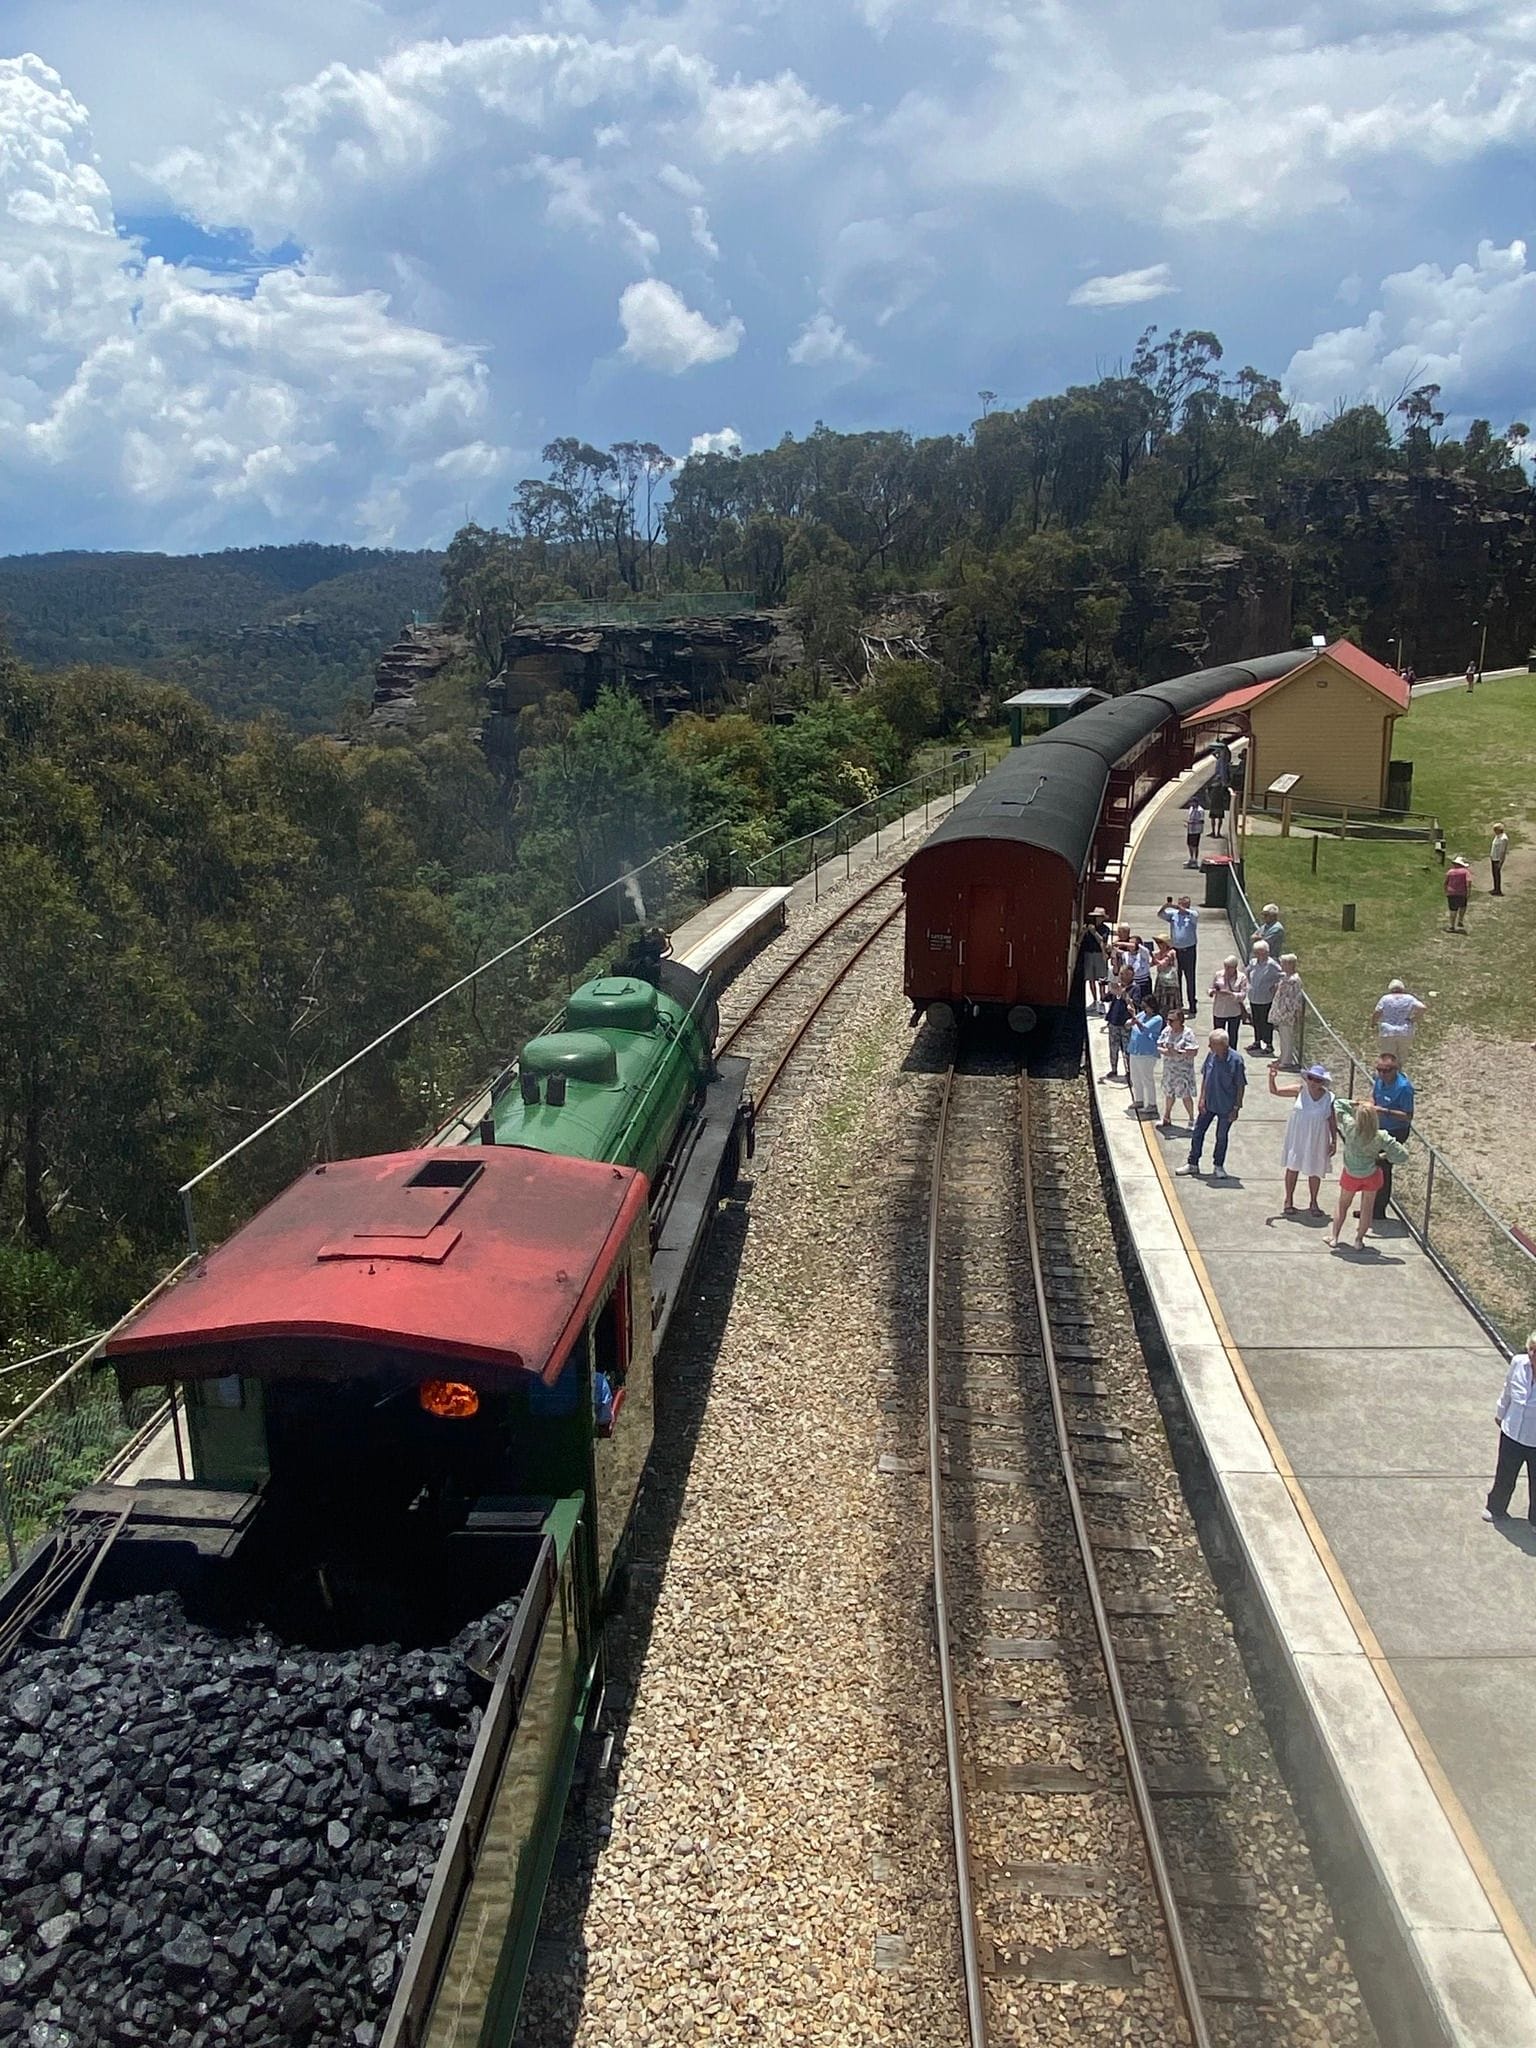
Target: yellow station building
{"type": "Point", "coordinates": [1329, 722]}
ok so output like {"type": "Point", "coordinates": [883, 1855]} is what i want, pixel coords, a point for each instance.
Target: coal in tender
{"type": "Point", "coordinates": [206, 1836]}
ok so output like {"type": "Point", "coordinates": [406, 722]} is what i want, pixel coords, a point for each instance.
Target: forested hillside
{"type": "Point", "coordinates": [295, 630]}
{"type": "Point", "coordinates": [1108, 531]}
{"type": "Point", "coordinates": [201, 920]}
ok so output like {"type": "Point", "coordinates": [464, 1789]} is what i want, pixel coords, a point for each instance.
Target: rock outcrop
{"type": "Point", "coordinates": [420, 653]}
{"type": "Point", "coordinates": [673, 665]}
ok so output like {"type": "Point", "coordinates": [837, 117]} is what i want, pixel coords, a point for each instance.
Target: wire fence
{"type": "Point", "coordinates": [63, 1440]}
{"type": "Point", "coordinates": [1480, 1252]}
{"type": "Point", "coordinates": [405, 1081]}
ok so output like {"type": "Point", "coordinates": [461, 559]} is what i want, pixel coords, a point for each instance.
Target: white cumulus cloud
{"type": "Point", "coordinates": [1210, 113]}
{"type": "Point", "coordinates": [724, 441]}
{"type": "Point", "coordinates": [1125, 287]}
{"type": "Point", "coordinates": [174, 400]}
{"type": "Point", "coordinates": [765, 118]}
{"type": "Point", "coordinates": [822, 343]}
{"type": "Point", "coordinates": [663, 332]}
{"type": "Point", "coordinates": [352, 136]}
{"type": "Point", "coordinates": [1466, 329]}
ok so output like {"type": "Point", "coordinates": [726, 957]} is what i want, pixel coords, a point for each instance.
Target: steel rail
{"type": "Point", "coordinates": [970, 1941]}
{"type": "Point", "coordinates": [792, 1044]}
{"type": "Point", "coordinates": [794, 965]}
{"type": "Point", "coordinates": [1136, 1777]}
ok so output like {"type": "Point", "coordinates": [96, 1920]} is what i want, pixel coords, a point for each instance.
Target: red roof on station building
{"type": "Point", "coordinates": [488, 1255]}
{"type": "Point", "coordinates": [1343, 654]}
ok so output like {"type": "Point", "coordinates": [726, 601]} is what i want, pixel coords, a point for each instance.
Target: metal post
{"type": "Point", "coordinates": [815, 872]}
{"type": "Point", "coordinates": [1316, 840]}
{"type": "Point", "coordinates": [181, 1460]}
{"type": "Point", "coordinates": [7, 1528]}
{"type": "Point", "coordinates": [1351, 1075]}
{"type": "Point", "coordinates": [1429, 1190]}
{"type": "Point", "coordinates": [189, 1222]}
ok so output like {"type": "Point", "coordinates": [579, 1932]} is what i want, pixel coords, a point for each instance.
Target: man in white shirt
{"type": "Point", "coordinates": [1394, 1017]}
{"type": "Point", "coordinates": [1498, 853]}
{"type": "Point", "coordinates": [1194, 825]}
{"type": "Point", "coordinates": [1183, 922]}
{"type": "Point", "coordinates": [1516, 1417]}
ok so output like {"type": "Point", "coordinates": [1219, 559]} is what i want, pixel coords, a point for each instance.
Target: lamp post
{"type": "Point", "coordinates": [1482, 645]}
{"type": "Point", "coordinates": [1396, 645]}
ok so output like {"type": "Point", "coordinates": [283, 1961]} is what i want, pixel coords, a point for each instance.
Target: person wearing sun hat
{"type": "Point", "coordinates": [1310, 1135]}
{"type": "Point", "coordinates": [1458, 887]}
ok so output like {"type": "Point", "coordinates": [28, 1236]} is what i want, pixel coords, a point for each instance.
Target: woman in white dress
{"type": "Point", "coordinates": [1311, 1134]}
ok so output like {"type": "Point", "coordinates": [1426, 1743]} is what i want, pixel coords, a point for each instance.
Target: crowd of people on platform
{"type": "Point", "coordinates": [1146, 987]}
{"type": "Point", "coordinates": [1146, 990]}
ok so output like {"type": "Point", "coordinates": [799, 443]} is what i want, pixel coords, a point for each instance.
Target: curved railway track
{"type": "Point", "coordinates": [787, 990]}
{"type": "Point", "coordinates": [1057, 1729]}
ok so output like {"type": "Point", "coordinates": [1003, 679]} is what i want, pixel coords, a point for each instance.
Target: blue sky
{"type": "Point", "coordinates": [339, 268]}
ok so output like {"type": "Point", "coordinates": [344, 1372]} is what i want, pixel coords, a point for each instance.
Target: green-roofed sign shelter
{"type": "Point", "coordinates": [1058, 705]}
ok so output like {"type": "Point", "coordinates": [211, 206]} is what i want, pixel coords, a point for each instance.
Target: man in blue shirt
{"type": "Point", "coordinates": [1223, 1081]}
{"type": "Point", "coordinates": [1184, 929]}
{"type": "Point", "coordinates": [1392, 1093]}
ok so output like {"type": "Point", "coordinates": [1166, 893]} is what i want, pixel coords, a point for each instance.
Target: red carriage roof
{"type": "Point", "coordinates": [488, 1255]}
{"type": "Point", "coordinates": [1386, 682]}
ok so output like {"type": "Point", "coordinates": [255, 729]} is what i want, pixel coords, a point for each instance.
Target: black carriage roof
{"type": "Point", "coordinates": [1188, 693]}
{"type": "Point", "coordinates": [1038, 794]}
{"type": "Point", "coordinates": [1048, 793]}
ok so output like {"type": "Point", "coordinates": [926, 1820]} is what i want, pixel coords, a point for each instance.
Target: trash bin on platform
{"type": "Point", "coordinates": [1217, 869]}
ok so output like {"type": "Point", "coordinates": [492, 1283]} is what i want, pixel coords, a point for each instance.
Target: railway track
{"type": "Point", "coordinates": [1080, 1787]}
{"type": "Point", "coordinates": [780, 1016]}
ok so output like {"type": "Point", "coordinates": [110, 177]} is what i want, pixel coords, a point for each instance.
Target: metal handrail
{"type": "Point", "coordinates": [41, 1357]}
{"type": "Point", "coordinates": [189, 1187]}
{"type": "Point", "coordinates": [775, 854]}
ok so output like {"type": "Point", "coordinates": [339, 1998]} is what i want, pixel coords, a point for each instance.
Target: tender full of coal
{"type": "Point", "coordinates": [219, 1838]}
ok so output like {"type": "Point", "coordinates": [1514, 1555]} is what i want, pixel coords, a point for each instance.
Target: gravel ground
{"type": "Point", "coordinates": [767, 1858]}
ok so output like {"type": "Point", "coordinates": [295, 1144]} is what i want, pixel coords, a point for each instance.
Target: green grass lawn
{"type": "Point", "coordinates": [1474, 762]}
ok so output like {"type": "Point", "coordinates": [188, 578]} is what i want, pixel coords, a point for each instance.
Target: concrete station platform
{"type": "Point", "coordinates": [1341, 1407]}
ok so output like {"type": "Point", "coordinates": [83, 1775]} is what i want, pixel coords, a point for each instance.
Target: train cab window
{"type": "Point", "coordinates": [610, 1356]}
{"type": "Point", "coordinates": [610, 1334]}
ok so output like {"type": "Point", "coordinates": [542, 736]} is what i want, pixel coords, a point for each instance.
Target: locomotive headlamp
{"type": "Point", "coordinates": [451, 1399]}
